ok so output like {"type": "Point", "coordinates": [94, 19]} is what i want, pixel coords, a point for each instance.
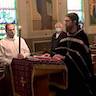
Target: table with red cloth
{"type": "Point", "coordinates": [31, 76]}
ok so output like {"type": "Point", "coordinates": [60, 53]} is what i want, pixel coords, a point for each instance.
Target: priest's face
{"type": "Point", "coordinates": [10, 30]}
{"type": "Point", "coordinates": [68, 24]}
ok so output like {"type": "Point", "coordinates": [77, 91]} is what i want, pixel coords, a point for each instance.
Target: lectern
{"type": "Point", "coordinates": [32, 77]}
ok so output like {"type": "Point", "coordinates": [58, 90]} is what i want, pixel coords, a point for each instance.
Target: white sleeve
{"type": "Point", "coordinates": [24, 48]}
{"type": "Point", "coordinates": [3, 59]}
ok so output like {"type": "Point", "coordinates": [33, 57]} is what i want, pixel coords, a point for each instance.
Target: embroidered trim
{"type": "Point", "coordinates": [75, 40]}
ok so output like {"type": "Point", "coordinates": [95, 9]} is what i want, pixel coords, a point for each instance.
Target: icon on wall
{"type": "Point", "coordinates": [42, 14]}
{"type": "Point", "coordinates": [92, 12]}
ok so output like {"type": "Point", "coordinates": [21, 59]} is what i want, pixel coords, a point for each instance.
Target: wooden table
{"type": "Point", "coordinates": [32, 79]}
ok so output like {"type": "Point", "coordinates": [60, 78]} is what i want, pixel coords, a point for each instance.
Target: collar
{"type": "Point", "coordinates": [73, 34]}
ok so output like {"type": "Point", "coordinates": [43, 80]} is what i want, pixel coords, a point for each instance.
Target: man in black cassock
{"type": "Point", "coordinates": [77, 57]}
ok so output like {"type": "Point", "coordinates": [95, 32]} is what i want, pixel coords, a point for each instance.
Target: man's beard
{"type": "Point", "coordinates": [11, 36]}
{"type": "Point", "coordinates": [68, 29]}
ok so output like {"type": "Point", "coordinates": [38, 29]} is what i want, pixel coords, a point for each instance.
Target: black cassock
{"type": "Point", "coordinates": [75, 48]}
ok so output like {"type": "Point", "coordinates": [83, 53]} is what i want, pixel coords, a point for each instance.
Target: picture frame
{"type": "Point", "coordinates": [42, 15]}
{"type": "Point", "coordinates": [92, 12]}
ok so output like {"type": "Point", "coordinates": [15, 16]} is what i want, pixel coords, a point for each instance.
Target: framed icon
{"type": "Point", "coordinates": [42, 14]}
{"type": "Point", "coordinates": [92, 11]}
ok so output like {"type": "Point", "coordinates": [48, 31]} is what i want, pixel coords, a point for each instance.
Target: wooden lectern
{"type": "Point", "coordinates": [31, 78]}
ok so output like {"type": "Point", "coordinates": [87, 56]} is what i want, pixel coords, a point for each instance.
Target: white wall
{"type": "Point", "coordinates": [22, 16]}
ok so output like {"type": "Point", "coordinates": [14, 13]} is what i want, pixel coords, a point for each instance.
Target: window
{"type": "Point", "coordinates": [76, 7]}
{"type": "Point", "coordinates": [7, 14]}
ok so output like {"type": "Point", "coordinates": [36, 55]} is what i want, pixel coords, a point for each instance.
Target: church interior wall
{"type": "Point", "coordinates": [34, 28]}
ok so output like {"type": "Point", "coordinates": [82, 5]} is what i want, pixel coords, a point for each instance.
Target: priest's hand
{"type": "Point", "coordinates": [58, 57]}
{"type": "Point", "coordinates": [20, 56]}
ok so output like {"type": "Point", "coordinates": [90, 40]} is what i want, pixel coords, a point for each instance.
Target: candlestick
{"type": "Point", "coordinates": [19, 28]}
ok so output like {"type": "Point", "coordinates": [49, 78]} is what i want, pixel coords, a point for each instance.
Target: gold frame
{"type": "Point", "coordinates": [92, 11]}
